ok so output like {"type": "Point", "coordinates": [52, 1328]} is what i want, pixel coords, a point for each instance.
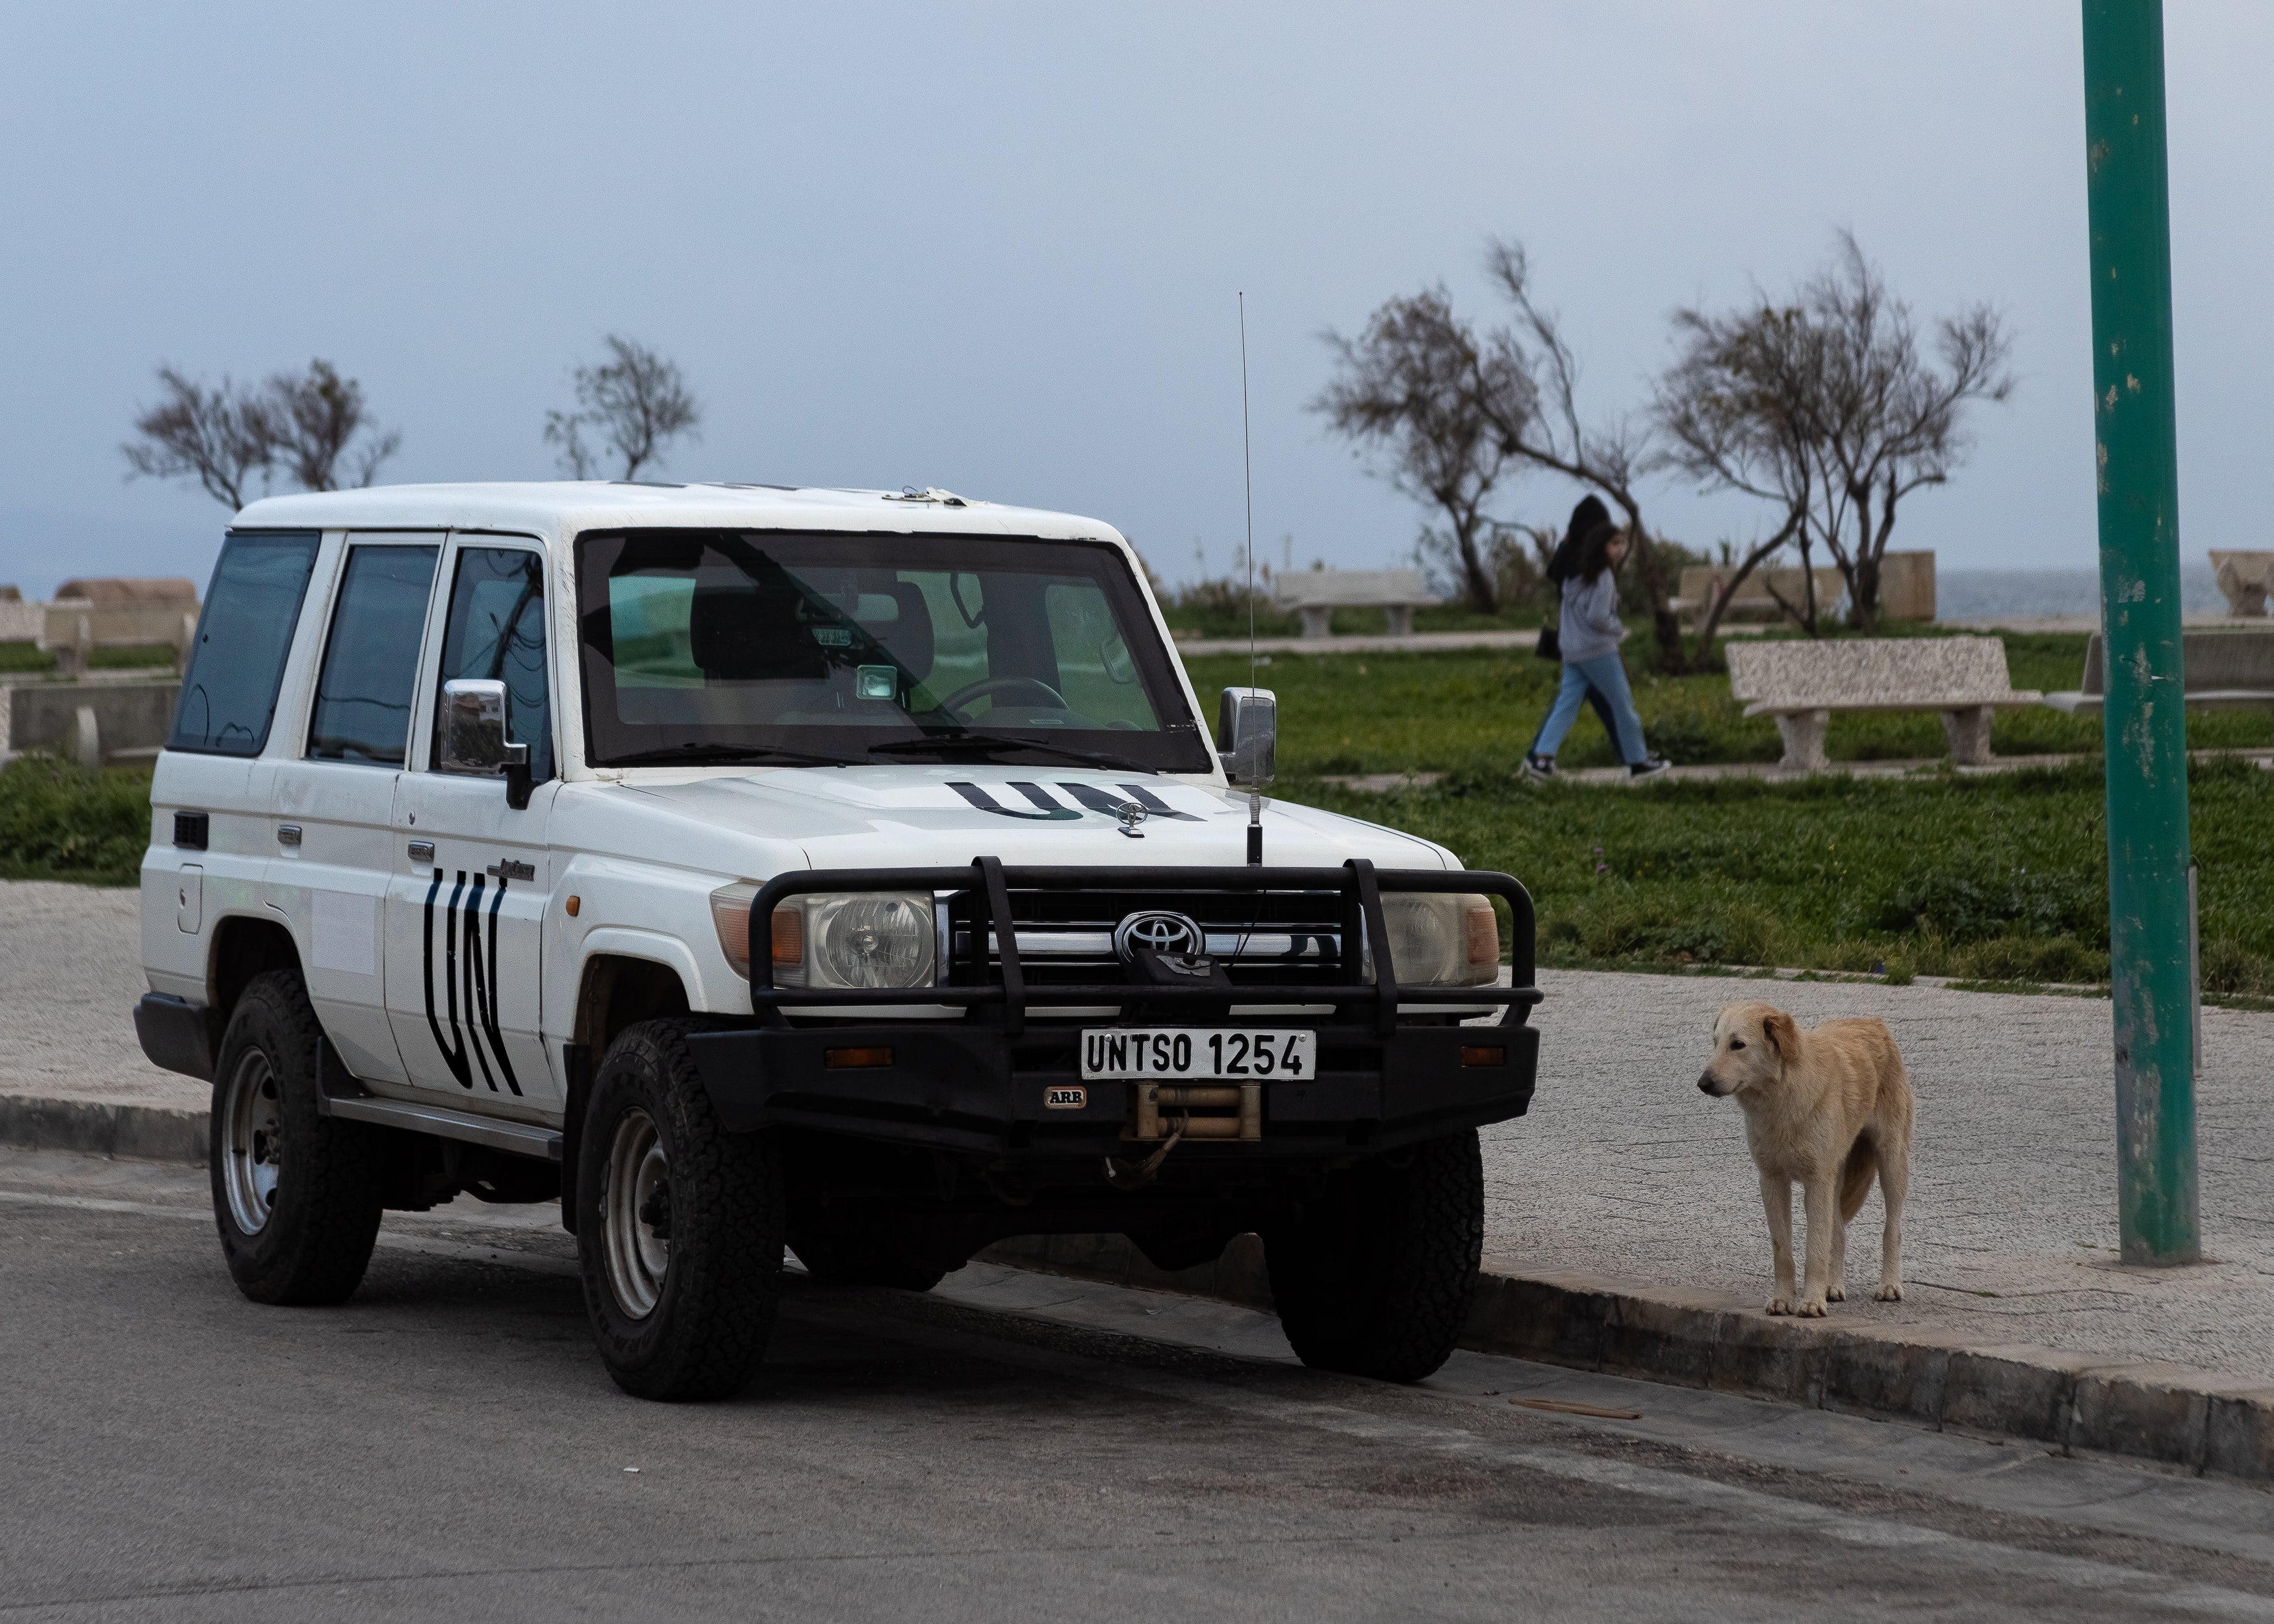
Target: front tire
{"type": "Point", "coordinates": [297, 1195]}
{"type": "Point", "coordinates": [1375, 1276]}
{"type": "Point", "coordinates": [679, 1230]}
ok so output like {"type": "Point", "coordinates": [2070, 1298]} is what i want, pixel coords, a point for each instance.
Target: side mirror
{"type": "Point", "coordinates": [1247, 734]}
{"type": "Point", "coordinates": [473, 737]}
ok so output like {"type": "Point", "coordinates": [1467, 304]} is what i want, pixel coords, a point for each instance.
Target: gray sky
{"type": "Point", "coordinates": [996, 248]}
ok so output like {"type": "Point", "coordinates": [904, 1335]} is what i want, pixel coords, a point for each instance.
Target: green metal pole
{"type": "Point", "coordinates": [2144, 724]}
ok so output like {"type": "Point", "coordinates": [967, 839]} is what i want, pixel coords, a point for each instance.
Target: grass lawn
{"type": "Point", "coordinates": [20, 657]}
{"type": "Point", "coordinates": [1996, 878]}
{"type": "Point", "coordinates": [1476, 709]}
{"type": "Point", "coordinates": [59, 822]}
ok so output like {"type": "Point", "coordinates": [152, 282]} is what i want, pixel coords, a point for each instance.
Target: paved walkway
{"type": "Point", "coordinates": [1422, 643]}
{"type": "Point", "coordinates": [1384, 783]}
{"type": "Point", "coordinates": [1622, 1166]}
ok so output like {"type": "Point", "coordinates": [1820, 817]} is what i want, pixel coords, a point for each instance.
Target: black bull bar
{"type": "Point", "coordinates": [979, 1081]}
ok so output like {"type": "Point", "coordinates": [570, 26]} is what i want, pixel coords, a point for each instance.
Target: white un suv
{"type": "Point", "coordinates": [746, 867]}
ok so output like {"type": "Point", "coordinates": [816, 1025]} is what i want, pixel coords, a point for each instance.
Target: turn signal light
{"type": "Point", "coordinates": [1481, 1055]}
{"type": "Point", "coordinates": [790, 938]}
{"type": "Point", "coordinates": [851, 1059]}
{"type": "Point", "coordinates": [1484, 938]}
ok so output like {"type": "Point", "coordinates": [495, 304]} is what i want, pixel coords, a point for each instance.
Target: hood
{"type": "Point", "coordinates": [943, 817]}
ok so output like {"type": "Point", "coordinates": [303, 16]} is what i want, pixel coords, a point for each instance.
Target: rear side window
{"type": "Point", "coordinates": [496, 630]}
{"type": "Point", "coordinates": [228, 693]}
{"type": "Point", "coordinates": [371, 659]}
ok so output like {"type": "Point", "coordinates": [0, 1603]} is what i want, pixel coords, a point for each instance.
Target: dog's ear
{"type": "Point", "coordinates": [1779, 1032]}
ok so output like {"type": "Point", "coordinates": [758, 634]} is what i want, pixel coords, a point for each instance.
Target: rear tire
{"type": "Point", "coordinates": [1375, 1274]}
{"type": "Point", "coordinates": [679, 1227]}
{"type": "Point", "coordinates": [297, 1195]}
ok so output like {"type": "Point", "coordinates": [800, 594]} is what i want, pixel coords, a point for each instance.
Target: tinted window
{"type": "Point", "coordinates": [701, 645]}
{"type": "Point", "coordinates": [371, 660]}
{"type": "Point", "coordinates": [496, 630]}
{"type": "Point", "coordinates": [228, 693]}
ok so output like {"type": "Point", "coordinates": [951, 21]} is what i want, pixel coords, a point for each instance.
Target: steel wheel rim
{"type": "Point", "coordinates": [252, 1150]}
{"type": "Point", "coordinates": [638, 1256]}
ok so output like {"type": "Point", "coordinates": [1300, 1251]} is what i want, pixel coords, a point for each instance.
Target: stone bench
{"type": "Point", "coordinates": [1756, 597]}
{"type": "Point", "coordinates": [2223, 669]}
{"type": "Point", "coordinates": [96, 723]}
{"type": "Point", "coordinates": [1801, 684]}
{"type": "Point", "coordinates": [2245, 578]}
{"type": "Point", "coordinates": [1317, 593]}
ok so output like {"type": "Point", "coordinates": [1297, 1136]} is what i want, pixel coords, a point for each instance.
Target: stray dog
{"type": "Point", "coordinates": [1828, 1108]}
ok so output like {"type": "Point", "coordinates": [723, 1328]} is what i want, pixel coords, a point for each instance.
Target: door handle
{"type": "Point", "coordinates": [509, 869]}
{"type": "Point", "coordinates": [422, 851]}
{"type": "Point", "coordinates": [288, 834]}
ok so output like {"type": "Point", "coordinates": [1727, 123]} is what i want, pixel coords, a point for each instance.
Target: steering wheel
{"type": "Point", "coordinates": [988, 686]}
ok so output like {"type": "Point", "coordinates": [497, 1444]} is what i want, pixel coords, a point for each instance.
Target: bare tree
{"type": "Point", "coordinates": [1727, 410]}
{"type": "Point", "coordinates": [314, 419]}
{"type": "Point", "coordinates": [1837, 384]}
{"type": "Point", "coordinates": [636, 402]}
{"type": "Point", "coordinates": [220, 437]}
{"type": "Point", "coordinates": [1612, 455]}
{"type": "Point", "coordinates": [224, 435]}
{"type": "Point", "coordinates": [1419, 392]}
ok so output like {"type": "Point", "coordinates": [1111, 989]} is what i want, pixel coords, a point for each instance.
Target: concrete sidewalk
{"type": "Point", "coordinates": [1624, 1184]}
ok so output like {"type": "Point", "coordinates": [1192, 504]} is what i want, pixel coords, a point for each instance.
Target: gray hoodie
{"type": "Point", "coordinates": [1591, 617]}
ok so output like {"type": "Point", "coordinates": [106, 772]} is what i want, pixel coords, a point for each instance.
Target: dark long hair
{"type": "Point", "coordinates": [1595, 553]}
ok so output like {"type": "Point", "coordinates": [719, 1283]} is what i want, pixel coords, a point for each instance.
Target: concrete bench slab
{"type": "Point", "coordinates": [1317, 593]}
{"type": "Point", "coordinates": [2245, 578]}
{"type": "Point", "coordinates": [2225, 669]}
{"type": "Point", "coordinates": [1801, 684]}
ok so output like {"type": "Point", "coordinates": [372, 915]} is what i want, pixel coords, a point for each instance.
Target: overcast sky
{"type": "Point", "coordinates": [997, 248]}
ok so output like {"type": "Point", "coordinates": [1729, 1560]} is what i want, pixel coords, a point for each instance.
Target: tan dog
{"type": "Point", "coordinates": [1827, 1108]}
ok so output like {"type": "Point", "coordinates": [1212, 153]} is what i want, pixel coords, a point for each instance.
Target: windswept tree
{"type": "Point", "coordinates": [1728, 410]}
{"type": "Point", "coordinates": [1420, 393]}
{"type": "Point", "coordinates": [1829, 409]}
{"type": "Point", "coordinates": [218, 436]}
{"type": "Point", "coordinates": [223, 436]}
{"type": "Point", "coordinates": [1610, 454]}
{"type": "Point", "coordinates": [634, 405]}
{"type": "Point", "coordinates": [316, 421]}
{"type": "Point", "coordinates": [1453, 412]}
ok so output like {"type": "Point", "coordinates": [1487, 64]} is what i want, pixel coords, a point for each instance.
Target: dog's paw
{"type": "Point", "coordinates": [1810, 1308]}
{"type": "Point", "coordinates": [1888, 1294]}
{"type": "Point", "coordinates": [1780, 1305]}
{"type": "Point", "coordinates": [1835, 1294]}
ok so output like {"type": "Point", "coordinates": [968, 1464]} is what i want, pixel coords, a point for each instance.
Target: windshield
{"type": "Point", "coordinates": [721, 645]}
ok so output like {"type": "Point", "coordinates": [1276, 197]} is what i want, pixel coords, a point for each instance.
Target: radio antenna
{"type": "Point", "coordinates": [1247, 471]}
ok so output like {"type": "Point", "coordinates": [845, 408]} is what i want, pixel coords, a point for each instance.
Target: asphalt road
{"type": "Point", "coordinates": [445, 1447]}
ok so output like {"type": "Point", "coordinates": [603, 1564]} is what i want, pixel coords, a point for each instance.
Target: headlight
{"type": "Point", "coordinates": [862, 939]}
{"type": "Point", "coordinates": [1442, 940]}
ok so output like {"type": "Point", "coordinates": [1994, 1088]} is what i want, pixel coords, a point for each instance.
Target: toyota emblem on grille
{"type": "Point", "coordinates": [1164, 932]}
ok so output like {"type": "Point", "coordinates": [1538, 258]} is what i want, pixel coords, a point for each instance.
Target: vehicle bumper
{"type": "Point", "coordinates": [968, 1088]}
{"type": "Point", "coordinates": [177, 1035]}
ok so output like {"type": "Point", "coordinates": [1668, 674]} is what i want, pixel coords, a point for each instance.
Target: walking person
{"type": "Point", "coordinates": [1589, 635]}
{"type": "Point", "coordinates": [1586, 518]}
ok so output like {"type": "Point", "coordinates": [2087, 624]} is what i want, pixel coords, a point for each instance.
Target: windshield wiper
{"type": "Point", "coordinates": [724, 755]}
{"type": "Point", "coordinates": [988, 742]}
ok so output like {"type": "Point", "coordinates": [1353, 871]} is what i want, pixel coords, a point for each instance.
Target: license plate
{"type": "Point", "coordinates": [1189, 1051]}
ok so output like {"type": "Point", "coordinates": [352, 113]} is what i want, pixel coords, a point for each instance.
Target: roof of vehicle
{"type": "Point", "coordinates": [559, 509]}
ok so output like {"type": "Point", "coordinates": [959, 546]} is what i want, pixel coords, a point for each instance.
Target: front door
{"type": "Point", "coordinates": [473, 880]}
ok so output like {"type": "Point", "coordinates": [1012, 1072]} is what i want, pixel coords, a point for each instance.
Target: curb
{"type": "Point", "coordinates": [2197, 1420]}
{"type": "Point", "coordinates": [144, 1132]}
{"type": "Point", "coordinates": [2193, 1419]}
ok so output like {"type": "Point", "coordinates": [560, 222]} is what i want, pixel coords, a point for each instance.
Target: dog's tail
{"type": "Point", "coordinates": [1855, 1179]}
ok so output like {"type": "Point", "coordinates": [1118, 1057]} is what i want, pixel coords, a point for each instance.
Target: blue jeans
{"type": "Point", "coordinates": [1608, 678]}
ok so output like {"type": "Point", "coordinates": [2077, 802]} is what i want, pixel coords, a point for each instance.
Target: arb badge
{"type": "Point", "coordinates": [1065, 1099]}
